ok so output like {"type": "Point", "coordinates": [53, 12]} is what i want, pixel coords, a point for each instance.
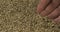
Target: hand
{"type": "Point", "coordinates": [50, 8]}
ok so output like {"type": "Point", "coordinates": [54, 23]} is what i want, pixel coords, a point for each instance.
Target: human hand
{"type": "Point", "coordinates": [50, 8]}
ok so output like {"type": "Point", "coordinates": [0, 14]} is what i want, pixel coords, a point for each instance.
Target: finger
{"type": "Point", "coordinates": [54, 14]}
{"type": "Point", "coordinates": [42, 5]}
{"type": "Point", "coordinates": [57, 20]}
{"type": "Point", "coordinates": [50, 8]}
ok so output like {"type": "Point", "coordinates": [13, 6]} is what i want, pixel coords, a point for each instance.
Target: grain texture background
{"type": "Point", "coordinates": [21, 16]}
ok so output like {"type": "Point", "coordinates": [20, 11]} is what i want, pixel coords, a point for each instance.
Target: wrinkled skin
{"type": "Point", "coordinates": [49, 8]}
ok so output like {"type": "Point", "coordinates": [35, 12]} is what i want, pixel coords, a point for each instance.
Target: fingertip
{"type": "Point", "coordinates": [42, 5]}
{"type": "Point", "coordinates": [57, 20]}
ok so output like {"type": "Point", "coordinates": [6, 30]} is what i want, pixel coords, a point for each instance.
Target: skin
{"type": "Point", "coordinates": [49, 8]}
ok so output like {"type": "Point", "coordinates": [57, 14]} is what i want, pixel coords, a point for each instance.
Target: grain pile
{"type": "Point", "coordinates": [21, 16]}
